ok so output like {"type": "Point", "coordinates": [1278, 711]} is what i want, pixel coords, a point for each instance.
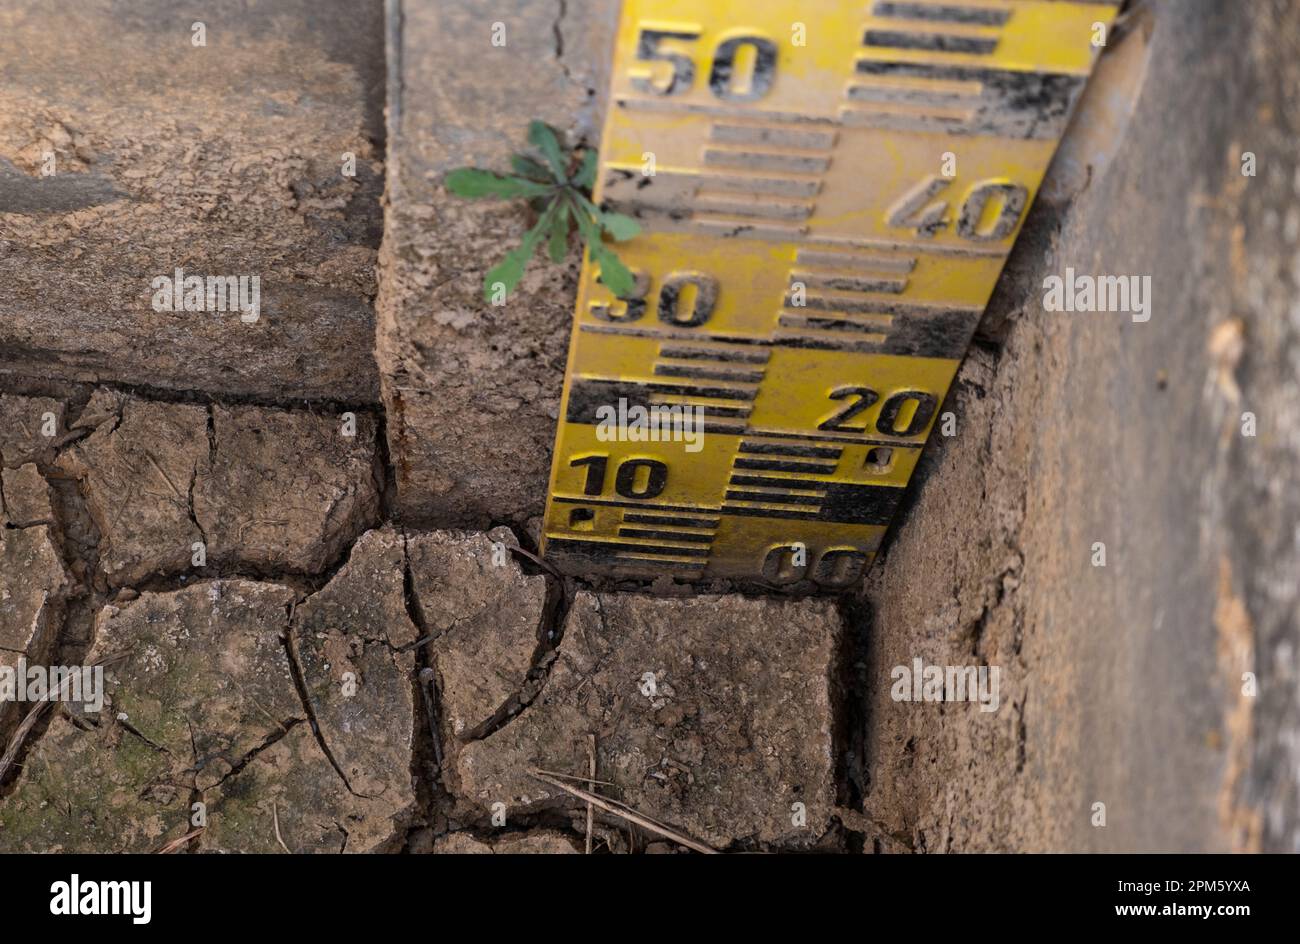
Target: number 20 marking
{"type": "Point", "coordinates": [863, 398]}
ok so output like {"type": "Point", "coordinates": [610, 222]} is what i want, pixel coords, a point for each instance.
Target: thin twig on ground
{"type": "Point", "coordinates": [560, 776]}
{"type": "Point", "coordinates": [19, 737]}
{"type": "Point", "coordinates": [168, 848]}
{"type": "Point", "coordinates": [275, 820]}
{"type": "Point", "coordinates": [539, 561]}
{"type": "Point", "coordinates": [624, 811]}
{"type": "Point", "coordinates": [591, 785]}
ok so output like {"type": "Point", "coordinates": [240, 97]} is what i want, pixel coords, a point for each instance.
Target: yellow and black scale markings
{"type": "Point", "coordinates": [828, 191]}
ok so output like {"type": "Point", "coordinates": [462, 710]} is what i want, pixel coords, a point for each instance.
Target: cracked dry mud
{"type": "Point", "coordinates": [270, 697]}
{"type": "Point", "coordinates": [237, 694]}
{"type": "Point", "coordinates": [262, 490]}
{"type": "Point", "coordinates": [710, 713]}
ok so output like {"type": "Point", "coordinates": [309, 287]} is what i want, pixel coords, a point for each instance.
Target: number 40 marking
{"type": "Point", "coordinates": [919, 209]}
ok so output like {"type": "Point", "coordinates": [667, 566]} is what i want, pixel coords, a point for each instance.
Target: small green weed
{"type": "Point", "coordinates": [559, 188]}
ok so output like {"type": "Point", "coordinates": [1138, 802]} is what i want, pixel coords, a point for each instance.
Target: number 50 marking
{"type": "Point", "coordinates": [725, 81]}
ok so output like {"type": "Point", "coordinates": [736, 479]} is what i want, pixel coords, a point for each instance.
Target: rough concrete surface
{"type": "Point", "coordinates": [222, 159]}
{"type": "Point", "coordinates": [472, 390]}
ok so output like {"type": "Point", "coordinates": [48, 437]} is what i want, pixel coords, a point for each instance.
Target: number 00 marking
{"type": "Point", "coordinates": [836, 567]}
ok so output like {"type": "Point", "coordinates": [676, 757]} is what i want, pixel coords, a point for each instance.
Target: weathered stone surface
{"type": "Point", "coordinates": [471, 590]}
{"type": "Point", "coordinates": [536, 842]}
{"type": "Point", "coordinates": [285, 490]}
{"type": "Point", "coordinates": [137, 472]}
{"type": "Point", "coordinates": [472, 390]}
{"type": "Point", "coordinates": [223, 159]}
{"type": "Point", "coordinates": [33, 584]}
{"type": "Point", "coordinates": [29, 428]}
{"type": "Point", "coordinates": [736, 728]}
{"type": "Point", "coordinates": [25, 497]}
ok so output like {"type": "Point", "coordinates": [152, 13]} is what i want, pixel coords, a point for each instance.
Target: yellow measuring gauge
{"type": "Point", "coordinates": [827, 192]}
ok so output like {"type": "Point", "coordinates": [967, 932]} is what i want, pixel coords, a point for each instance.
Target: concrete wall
{"type": "Point", "coordinates": [1121, 684]}
{"type": "Point", "coordinates": [473, 390]}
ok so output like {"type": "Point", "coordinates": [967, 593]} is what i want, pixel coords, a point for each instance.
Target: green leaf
{"type": "Point", "coordinates": [616, 276]}
{"type": "Point", "coordinates": [542, 136]}
{"type": "Point", "coordinates": [525, 166]}
{"type": "Point", "coordinates": [581, 209]}
{"type": "Point", "coordinates": [619, 225]}
{"type": "Point", "coordinates": [473, 182]}
{"type": "Point", "coordinates": [511, 269]}
{"type": "Point", "coordinates": [586, 176]}
{"type": "Point", "coordinates": [507, 272]}
{"type": "Point", "coordinates": [612, 271]}
{"type": "Point", "coordinates": [542, 228]}
{"type": "Point", "coordinates": [558, 243]}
